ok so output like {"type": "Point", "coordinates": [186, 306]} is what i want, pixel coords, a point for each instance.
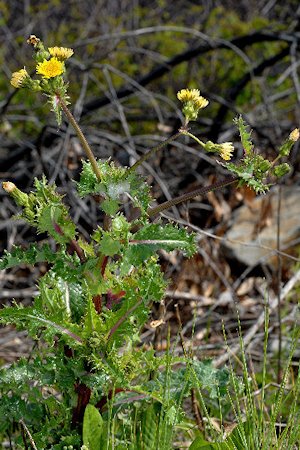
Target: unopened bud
{"type": "Point", "coordinates": [20, 79]}
{"type": "Point", "coordinates": [8, 186]}
{"type": "Point", "coordinates": [286, 148]}
{"type": "Point", "coordinates": [281, 170]}
{"type": "Point", "coordinates": [19, 197]}
{"type": "Point", "coordinates": [264, 166]}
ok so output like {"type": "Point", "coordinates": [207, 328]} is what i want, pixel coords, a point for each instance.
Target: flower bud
{"type": "Point", "coordinates": [294, 135]}
{"type": "Point", "coordinates": [286, 147]}
{"type": "Point", "coordinates": [19, 197]}
{"type": "Point", "coordinates": [226, 150]}
{"type": "Point", "coordinates": [20, 79]}
{"type": "Point", "coordinates": [264, 165]}
{"type": "Point", "coordinates": [281, 170]}
{"type": "Point", "coordinates": [8, 186]}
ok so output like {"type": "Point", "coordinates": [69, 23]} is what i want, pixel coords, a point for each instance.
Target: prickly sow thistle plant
{"type": "Point", "coordinates": [97, 294]}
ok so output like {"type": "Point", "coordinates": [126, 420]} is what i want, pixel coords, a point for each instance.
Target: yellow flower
{"type": "Point", "coordinates": [226, 149]}
{"type": "Point", "coordinates": [192, 95]}
{"type": "Point", "coordinates": [294, 135]}
{"type": "Point", "coordinates": [51, 68]}
{"type": "Point", "coordinates": [18, 78]}
{"type": "Point", "coordinates": [192, 103]}
{"type": "Point", "coordinates": [61, 53]}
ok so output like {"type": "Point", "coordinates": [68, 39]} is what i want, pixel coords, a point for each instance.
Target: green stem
{"type": "Point", "coordinates": [151, 152]}
{"type": "Point", "coordinates": [81, 137]}
{"type": "Point", "coordinates": [188, 196]}
{"type": "Point", "coordinates": [187, 133]}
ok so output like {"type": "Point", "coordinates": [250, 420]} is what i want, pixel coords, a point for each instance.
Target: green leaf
{"type": "Point", "coordinates": [34, 320]}
{"type": "Point", "coordinates": [110, 207]}
{"type": "Point", "coordinates": [115, 181]}
{"type": "Point", "coordinates": [45, 210]}
{"type": "Point", "coordinates": [200, 443]}
{"type": "Point", "coordinates": [92, 428]}
{"type": "Point", "coordinates": [153, 237]}
{"type": "Point", "coordinates": [31, 255]}
{"type": "Point", "coordinates": [210, 378]}
{"type": "Point", "coordinates": [149, 427]}
{"type": "Point", "coordinates": [244, 134]}
{"type": "Point", "coordinates": [108, 245]}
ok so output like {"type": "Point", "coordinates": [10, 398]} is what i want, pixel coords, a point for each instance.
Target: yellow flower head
{"type": "Point", "coordinates": [19, 78]}
{"type": "Point", "coordinates": [61, 53]}
{"type": "Point", "coordinates": [226, 150]}
{"type": "Point", "coordinates": [192, 95]}
{"type": "Point", "coordinates": [192, 102]}
{"type": "Point", "coordinates": [294, 135]}
{"type": "Point", "coordinates": [51, 68]}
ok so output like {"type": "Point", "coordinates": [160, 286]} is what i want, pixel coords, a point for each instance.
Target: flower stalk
{"type": "Point", "coordinates": [153, 150]}
{"type": "Point", "coordinates": [81, 137]}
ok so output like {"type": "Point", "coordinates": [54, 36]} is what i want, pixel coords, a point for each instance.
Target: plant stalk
{"type": "Point", "coordinates": [81, 137]}
{"type": "Point", "coordinates": [151, 152]}
{"type": "Point", "coordinates": [189, 195]}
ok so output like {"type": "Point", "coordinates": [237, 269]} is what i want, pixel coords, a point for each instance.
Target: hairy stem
{"type": "Point", "coordinates": [151, 152]}
{"type": "Point", "coordinates": [81, 137]}
{"type": "Point", "coordinates": [189, 195]}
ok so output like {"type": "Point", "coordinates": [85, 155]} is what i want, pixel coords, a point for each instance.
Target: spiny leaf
{"type": "Point", "coordinates": [153, 237]}
{"type": "Point", "coordinates": [244, 134]}
{"type": "Point", "coordinates": [29, 317]}
{"type": "Point", "coordinates": [115, 182]}
{"type": "Point", "coordinates": [109, 246]}
{"type": "Point", "coordinates": [31, 255]}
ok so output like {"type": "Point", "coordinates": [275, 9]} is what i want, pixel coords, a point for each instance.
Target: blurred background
{"type": "Point", "coordinates": [130, 59]}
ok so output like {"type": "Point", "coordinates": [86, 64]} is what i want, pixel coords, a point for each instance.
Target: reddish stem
{"type": "Point", "coordinates": [97, 300]}
{"type": "Point", "coordinates": [105, 399]}
{"type": "Point", "coordinates": [84, 395]}
{"type": "Point", "coordinates": [123, 318]}
{"type": "Point", "coordinates": [104, 264]}
{"type": "Point", "coordinates": [114, 299]}
{"type": "Point", "coordinates": [72, 243]}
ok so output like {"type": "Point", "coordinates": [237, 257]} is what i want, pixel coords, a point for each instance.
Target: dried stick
{"type": "Point", "coordinates": [21, 421]}
{"type": "Point", "coordinates": [260, 320]}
